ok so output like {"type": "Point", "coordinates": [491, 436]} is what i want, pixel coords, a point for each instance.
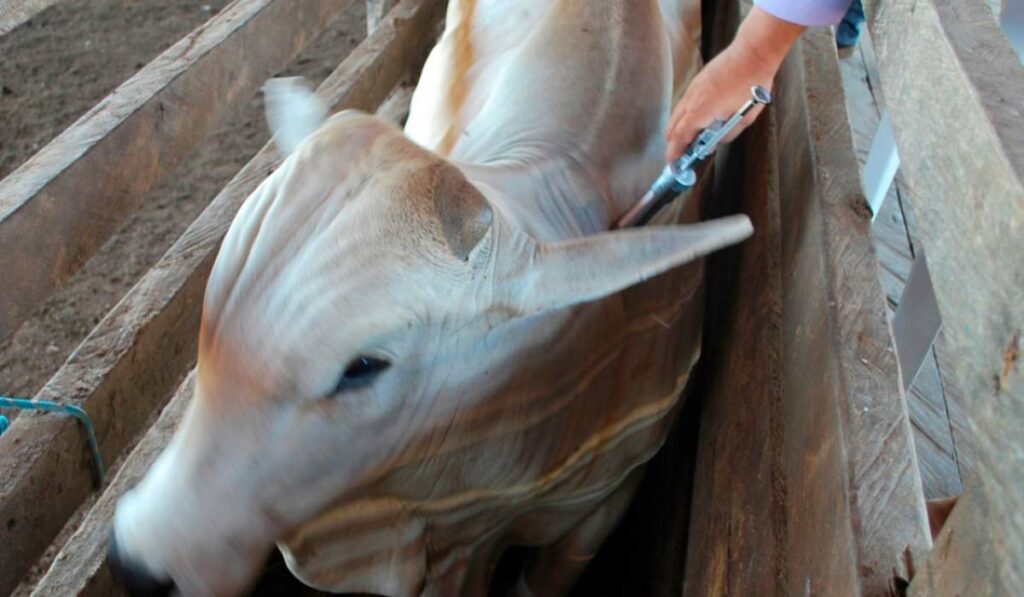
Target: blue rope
{"type": "Point", "coordinates": [67, 409]}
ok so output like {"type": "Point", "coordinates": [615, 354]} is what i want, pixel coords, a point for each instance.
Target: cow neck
{"type": "Point", "coordinates": [551, 199]}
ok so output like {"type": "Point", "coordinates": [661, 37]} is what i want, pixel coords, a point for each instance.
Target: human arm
{"type": "Point", "coordinates": [755, 55]}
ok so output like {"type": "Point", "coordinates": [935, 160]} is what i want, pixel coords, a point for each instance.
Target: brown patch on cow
{"type": "Point", "coordinates": [464, 213]}
{"type": "Point", "coordinates": [464, 59]}
{"type": "Point", "coordinates": [226, 371]}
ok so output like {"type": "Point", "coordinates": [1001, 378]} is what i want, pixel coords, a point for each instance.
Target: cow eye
{"type": "Point", "coordinates": [361, 371]}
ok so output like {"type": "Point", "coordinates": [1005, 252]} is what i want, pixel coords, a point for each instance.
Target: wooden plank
{"type": "Point", "coordinates": [16, 12]}
{"type": "Point", "coordinates": [835, 313]}
{"type": "Point", "coordinates": [955, 90]}
{"type": "Point", "coordinates": [929, 415]}
{"type": "Point", "coordinates": [738, 518]}
{"type": "Point", "coordinates": [728, 553]}
{"type": "Point", "coordinates": [79, 568]}
{"type": "Point", "coordinates": [375, 11]}
{"type": "Point", "coordinates": [959, 422]}
{"type": "Point", "coordinates": [62, 204]}
{"type": "Point", "coordinates": [396, 107]}
{"type": "Point", "coordinates": [127, 366]}
{"type": "Point", "coordinates": [933, 438]}
{"type": "Point", "coordinates": [808, 414]}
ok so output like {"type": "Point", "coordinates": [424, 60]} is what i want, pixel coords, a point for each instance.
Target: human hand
{"type": "Point", "coordinates": [724, 84]}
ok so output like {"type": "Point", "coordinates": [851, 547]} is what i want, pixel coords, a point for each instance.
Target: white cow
{"type": "Point", "coordinates": [418, 350]}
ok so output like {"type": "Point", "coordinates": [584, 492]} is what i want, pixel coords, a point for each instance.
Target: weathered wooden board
{"type": "Point", "coordinates": [16, 12]}
{"type": "Point", "coordinates": [933, 437]}
{"type": "Point", "coordinates": [894, 242]}
{"type": "Point", "coordinates": [62, 204]}
{"type": "Point", "coordinates": [955, 91]}
{"type": "Point", "coordinates": [375, 11]}
{"type": "Point", "coordinates": [829, 266]}
{"type": "Point", "coordinates": [806, 482]}
{"type": "Point", "coordinates": [130, 362]}
{"type": "Point", "coordinates": [79, 568]}
{"type": "Point", "coordinates": [738, 482]}
{"type": "Point", "coordinates": [396, 107]}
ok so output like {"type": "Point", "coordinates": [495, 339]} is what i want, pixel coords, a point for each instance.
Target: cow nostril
{"type": "Point", "coordinates": [132, 576]}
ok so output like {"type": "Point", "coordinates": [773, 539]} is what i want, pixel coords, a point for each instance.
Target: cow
{"type": "Point", "coordinates": [420, 348]}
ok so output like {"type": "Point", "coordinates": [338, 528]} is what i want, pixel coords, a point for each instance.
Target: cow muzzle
{"type": "Point", "coordinates": [132, 576]}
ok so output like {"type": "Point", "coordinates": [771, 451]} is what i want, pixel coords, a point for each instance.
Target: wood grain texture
{"type": "Point", "coordinates": [738, 519]}
{"type": "Point", "coordinates": [933, 437]}
{"type": "Point", "coordinates": [130, 362]}
{"type": "Point", "coordinates": [62, 204]}
{"type": "Point", "coordinates": [16, 12]}
{"type": "Point", "coordinates": [938, 424]}
{"type": "Point", "coordinates": [962, 149]}
{"type": "Point", "coordinates": [375, 11]}
{"type": "Point", "coordinates": [830, 266]}
{"type": "Point", "coordinates": [79, 568]}
{"type": "Point", "coordinates": [806, 482]}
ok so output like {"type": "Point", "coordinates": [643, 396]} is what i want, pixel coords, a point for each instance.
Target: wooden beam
{"type": "Point", "coordinates": [738, 480]}
{"type": "Point", "coordinates": [396, 107]}
{"type": "Point", "coordinates": [16, 12]}
{"type": "Point", "coordinates": [837, 274]}
{"type": "Point", "coordinates": [62, 204]}
{"type": "Point", "coordinates": [955, 90]}
{"type": "Point", "coordinates": [807, 481]}
{"type": "Point", "coordinates": [375, 11]}
{"type": "Point", "coordinates": [132, 360]}
{"type": "Point", "coordinates": [79, 568]}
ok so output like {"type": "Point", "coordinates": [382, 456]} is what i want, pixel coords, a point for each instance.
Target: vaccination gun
{"type": "Point", "coordinates": [679, 175]}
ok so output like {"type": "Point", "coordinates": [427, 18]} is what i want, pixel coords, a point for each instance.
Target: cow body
{"type": "Point", "coordinates": [554, 110]}
{"type": "Point", "coordinates": [529, 379]}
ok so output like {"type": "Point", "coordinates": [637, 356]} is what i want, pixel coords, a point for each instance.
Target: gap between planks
{"type": "Point", "coordinates": [936, 429]}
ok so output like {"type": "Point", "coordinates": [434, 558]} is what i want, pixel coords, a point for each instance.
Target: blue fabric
{"type": "Point", "coordinates": [848, 30]}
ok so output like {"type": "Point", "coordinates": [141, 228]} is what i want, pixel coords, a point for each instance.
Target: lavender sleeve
{"type": "Point", "coordinates": [810, 13]}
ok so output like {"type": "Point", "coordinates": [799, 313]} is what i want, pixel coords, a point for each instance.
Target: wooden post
{"type": "Point", "coordinates": [807, 481]}
{"type": "Point", "coordinates": [955, 91]}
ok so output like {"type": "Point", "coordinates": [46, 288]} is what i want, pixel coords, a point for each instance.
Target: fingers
{"type": "Point", "coordinates": [693, 113]}
{"type": "Point", "coordinates": [715, 93]}
{"type": "Point", "coordinates": [677, 113]}
{"type": "Point", "coordinates": [683, 133]}
{"type": "Point", "coordinates": [689, 119]}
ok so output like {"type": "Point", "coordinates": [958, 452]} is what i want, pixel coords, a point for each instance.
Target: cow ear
{"type": "Point", "coordinates": [464, 213]}
{"type": "Point", "coordinates": [293, 111]}
{"type": "Point", "coordinates": [584, 269]}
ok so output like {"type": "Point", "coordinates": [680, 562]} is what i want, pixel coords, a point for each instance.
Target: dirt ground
{"type": "Point", "coordinates": [53, 69]}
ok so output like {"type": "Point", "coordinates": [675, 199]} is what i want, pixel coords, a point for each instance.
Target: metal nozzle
{"type": "Point", "coordinates": [679, 175]}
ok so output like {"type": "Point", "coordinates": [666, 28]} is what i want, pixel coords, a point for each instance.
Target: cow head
{"type": "Point", "coordinates": [349, 322]}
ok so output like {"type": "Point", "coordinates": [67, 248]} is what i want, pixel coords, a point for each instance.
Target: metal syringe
{"type": "Point", "coordinates": [679, 175]}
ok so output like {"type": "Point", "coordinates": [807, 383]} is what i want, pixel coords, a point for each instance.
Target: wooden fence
{"type": "Point", "coordinates": [129, 365]}
{"type": "Point", "coordinates": [806, 479]}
